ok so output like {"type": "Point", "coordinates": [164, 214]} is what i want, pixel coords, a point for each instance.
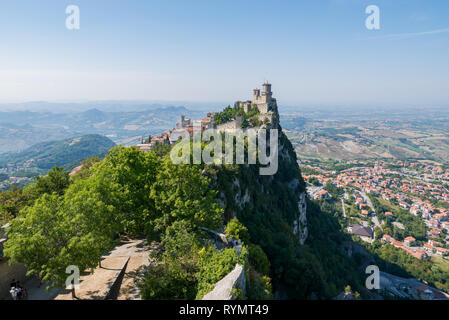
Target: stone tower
{"type": "Point", "coordinates": [266, 89]}
{"type": "Point", "coordinates": [256, 94]}
{"type": "Point", "coordinates": [264, 100]}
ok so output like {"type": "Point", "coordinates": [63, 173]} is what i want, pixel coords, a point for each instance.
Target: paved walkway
{"type": "Point", "coordinates": [128, 257]}
{"type": "Point", "coordinates": [139, 258]}
{"type": "Point", "coordinates": [96, 286]}
{"type": "Point", "coordinates": [128, 288]}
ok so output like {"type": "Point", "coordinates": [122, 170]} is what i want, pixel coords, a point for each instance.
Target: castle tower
{"type": "Point", "coordinates": [256, 95]}
{"type": "Point", "coordinates": [266, 89]}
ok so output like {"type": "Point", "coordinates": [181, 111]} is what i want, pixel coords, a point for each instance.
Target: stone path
{"type": "Point", "coordinates": [128, 288]}
{"type": "Point", "coordinates": [36, 292]}
{"type": "Point", "coordinates": [139, 258]}
{"type": "Point", "coordinates": [96, 286]}
{"type": "Point", "coordinates": [116, 277]}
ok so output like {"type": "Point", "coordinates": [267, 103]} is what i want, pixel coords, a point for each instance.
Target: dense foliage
{"type": "Point", "coordinates": [59, 221]}
{"type": "Point", "coordinates": [235, 229]}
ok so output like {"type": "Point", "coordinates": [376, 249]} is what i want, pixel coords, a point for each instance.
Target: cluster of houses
{"type": "Point", "coordinates": [171, 136]}
{"type": "Point", "coordinates": [417, 195]}
{"type": "Point", "coordinates": [10, 169]}
{"type": "Point", "coordinates": [13, 181]}
{"type": "Point", "coordinates": [361, 204]}
{"type": "Point", "coordinates": [428, 249]}
{"type": "Point", "coordinates": [412, 186]}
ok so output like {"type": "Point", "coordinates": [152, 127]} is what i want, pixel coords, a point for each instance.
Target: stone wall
{"type": "Point", "coordinates": [231, 125]}
{"type": "Point", "coordinates": [223, 288]}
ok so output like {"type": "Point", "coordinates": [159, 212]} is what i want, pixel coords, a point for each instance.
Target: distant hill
{"type": "Point", "coordinates": [22, 129]}
{"type": "Point", "coordinates": [67, 153]}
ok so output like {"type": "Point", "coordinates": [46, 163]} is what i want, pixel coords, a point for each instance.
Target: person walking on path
{"type": "Point", "coordinates": [13, 292]}
{"type": "Point", "coordinates": [21, 292]}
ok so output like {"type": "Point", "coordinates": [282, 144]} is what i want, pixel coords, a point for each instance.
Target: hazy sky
{"type": "Point", "coordinates": [313, 52]}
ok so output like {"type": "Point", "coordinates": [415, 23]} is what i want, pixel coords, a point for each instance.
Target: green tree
{"type": "Point", "coordinates": [161, 149]}
{"type": "Point", "coordinates": [182, 193]}
{"type": "Point", "coordinates": [133, 173]}
{"type": "Point", "coordinates": [258, 259]}
{"type": "Point", "coordinates": [11, 202]}
{"type": "Point", "coordinates": [174, 277]}
{"type": "Point", "coordinates": [235, 229]}
{"type": "Point", "coordinates": [57, 231]}
{"type": "Point", "coordinates": [56, 181]}
{"type": "Point", "coordinates": [215, 264]}
{"type": "Point", "coordinates": [86, 171]}
{"type": "Point", "coordinates": [35, 237]}
{"type": "Point", "coordinates": [377, 233]}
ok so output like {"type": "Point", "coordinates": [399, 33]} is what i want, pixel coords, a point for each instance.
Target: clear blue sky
{"type": "Point", "coordinates": [313, 52]}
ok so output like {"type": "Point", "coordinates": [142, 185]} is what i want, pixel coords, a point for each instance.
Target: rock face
{"type": "Point", "coordinates": [223, 288]}
{"type": "Point", "coordinates": [240, 189]}
{"type": "Point", "coordinates": [272, 207]}
{"type": "Point", "coordinates": [300, 224]}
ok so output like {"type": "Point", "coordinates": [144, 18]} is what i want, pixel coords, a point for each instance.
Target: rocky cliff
{"type": "Point", "coordinates": [243, 190]}
{"type": "Point", "coordinates": [272, 207]}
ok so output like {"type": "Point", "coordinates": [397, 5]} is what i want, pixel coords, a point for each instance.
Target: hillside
{"type": "Point", "coordinates": [352, 139]}
{"type": "Point", "coordinates": [66, 153]}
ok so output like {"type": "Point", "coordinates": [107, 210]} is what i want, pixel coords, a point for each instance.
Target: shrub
{"type": "Point", "coordinates": [235, 229]}
{"type": "Point", "coordinates": [214, 265]}
{"type": "Point", "coordinates": [258, 286]}
{"type": "Point", "coordinates": [167, 282]}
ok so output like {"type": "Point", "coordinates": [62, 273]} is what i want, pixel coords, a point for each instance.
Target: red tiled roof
{"type": "Point", "coordinates": [397, 243]}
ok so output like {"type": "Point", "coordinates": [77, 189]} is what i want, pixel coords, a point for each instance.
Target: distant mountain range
{"type": "Point", "coordinates": [67, 153]}
{"type": "Point", "coordinates": [22, 129]}
{"type": "Point", "coordinates": [106, 106]}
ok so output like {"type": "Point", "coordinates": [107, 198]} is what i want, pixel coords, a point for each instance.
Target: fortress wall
{"type": "Point", "coordinates": [231, 125]}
